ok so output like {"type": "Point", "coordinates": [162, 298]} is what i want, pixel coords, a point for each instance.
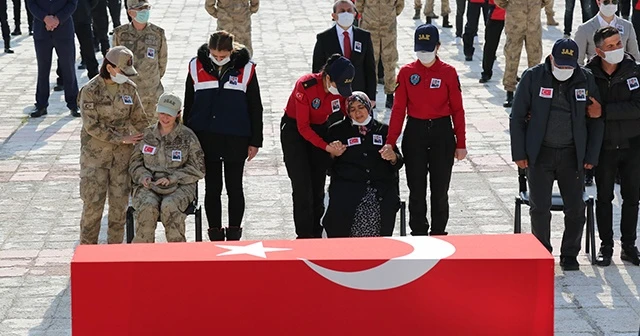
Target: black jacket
{"type": "Point", "coordinates": [358, 167]}
{"type": "Point", "coordinates": [62, 9]}
{"type": "Point", "coordinates": [527, 134]}
{"type": "Point", "coordinates": [82, 15]}
{"type": "Point", "coordinates": [620, 102]}
{"type": "Point", "coordinates": [327, 44]}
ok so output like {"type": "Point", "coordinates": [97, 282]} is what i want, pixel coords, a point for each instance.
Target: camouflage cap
{"type": "Point", "coordinates": [169, 104]}
{"type": "Point", "coordinates": [135, 4]}
{"type": "Point", "coordinates": [123, 59]}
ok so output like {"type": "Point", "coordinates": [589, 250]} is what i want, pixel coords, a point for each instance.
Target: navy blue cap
{"type": "Point", "coordinates": [565, 53]}
{"type": "Point", "coordinates": [426, 37]}
{"type": "Point", "coordinates": [342, 72]}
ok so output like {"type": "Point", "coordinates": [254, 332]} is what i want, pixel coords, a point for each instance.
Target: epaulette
{"type": "Point", "coordinates": [309, 83]}
{"type": "Point", "coordinates": [156, 28]}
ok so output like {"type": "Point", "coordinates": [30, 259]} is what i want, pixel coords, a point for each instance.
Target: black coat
{"type": "Point", "coordinates": [527, 134]}
{"type": "Point", "coordinates": [327, 44]}
{"type": "Point", "coordinates": [358, 167]}
{"type": "Point", "coordinates": [82, 15]}
{"type": "Point", "coordinates": [62, 9]}
{"type": "Point", "coordinates": [620, 102]}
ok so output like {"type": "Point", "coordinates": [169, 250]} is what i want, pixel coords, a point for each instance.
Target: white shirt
{"type": "Point", "coordinates": [604, 23]}
{"type": "Point", "coordinates": [341, 36]}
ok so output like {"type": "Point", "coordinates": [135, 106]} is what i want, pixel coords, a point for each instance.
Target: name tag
{"type": "Point", "coordinates": [151, 53]}
{"type": "Point", "coordinates": [435, 83]}
{"type": "Point", "coordinates": [127, 100]}
{"type": "Point", "coordinates": [546, 93]}
{"type": "Point", "coordinates": [377, 139]}
{"type": "Point", "coordinates": [620, 28]}
{"type": "Point", "coordinates": [632, 83]}
{"type": "Point", "coordinates": [353, 141]}
{"type": "Point", "coordinates": [335, 105]}
{"type": "Point", "coordinates": [233, 80]}
{"type": "Point", "coordinates": [176, 155]}
{"type": "Point", "coordinates": [149, 150]}
{"type": "Point", "coordinates": [581, 95]}
{"type": "Point", "coordinates": [357, 46]}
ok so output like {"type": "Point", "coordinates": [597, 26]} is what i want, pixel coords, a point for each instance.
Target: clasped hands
{"type": "Point", "coordinates": [337, 148]}
{"type": "Point", "coordinates": [147, 182]}
{"type": "Point", "coordinates": [51, 22]}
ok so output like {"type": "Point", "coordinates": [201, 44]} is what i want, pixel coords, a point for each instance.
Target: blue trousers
{"type": "Point", "coordinates": [66, 51]}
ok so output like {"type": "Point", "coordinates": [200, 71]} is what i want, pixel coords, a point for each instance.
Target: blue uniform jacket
{"type": "Point", "coordinates": [62, 9]}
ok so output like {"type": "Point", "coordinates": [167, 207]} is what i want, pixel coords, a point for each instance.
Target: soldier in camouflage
{"type": "Point", "coordinates": [234, 16]}
{"type": "Point", "coordinates": [112, 122]}
{"type": "Point", "coordinates": [445, 10]}
{"type": "Point", "coordinates": [165, 167]}
{"type": "Point", "coordinates": [379, 18]}
{"type": "Point", "coordinates": [149, 46]}
{"type": "Point", "coordinates": [522, 25]}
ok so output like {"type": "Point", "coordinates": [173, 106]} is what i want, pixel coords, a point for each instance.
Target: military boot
{"type": "Point", "coordinates": [445, 22]}
{"type": "Point", "coordinates": [234, 233]}
{"type": "Point", "coordinates": [416, 16]}
{"type": "Point", "coordinates": [509, 101]}
{"type": "Point", "coordinates": [216, 234]}
{"type": "Point", "coordinates": [551, 21]}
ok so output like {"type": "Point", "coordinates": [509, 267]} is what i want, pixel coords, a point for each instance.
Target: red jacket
{"type": "Point", "coordinates": [310, 104]}
{"type": "Point", "coordinates": [497, 14]}
{"type": "Point", "coordinates": [637, 7]}
{"type": "Point", "coordinates": [427, 93]}
{"type": "Point", "coordinates": [478, 1]}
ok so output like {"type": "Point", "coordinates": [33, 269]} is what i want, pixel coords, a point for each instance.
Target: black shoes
{"type": "Point", "coordinates": [468, 58]}
{"type": "Point", "coordinates": [8, 51]}
{"type": "Point", "coordinates": [604, 256]}
{"type": "Point", "coordinates": [16, 32]}
{"type": "Point", "coordinates": [234, 233]}
{"type": "Point", "coordinates": [231, 233]}
{"type": "Point", "coordinates": [630, 254]}
{"type": "Point", "coordinates": [445, 22]}
{"type": "Point", "coordinates": [569, 263]}
{"type": "Point", "coordinates": [509, 101]}
{"type": "Point", "coordinates": [38, 112]}
{"type": "Point", "coordinates": [389, 102]}
{"type": "Point", "coordinates": [58, 88]}
{"type": "Point", "coordinates": [216, 234]}
{"type": "Point", "coordinates": [75, 113]}
{"type": "Point", "coordinates": [484, 79]}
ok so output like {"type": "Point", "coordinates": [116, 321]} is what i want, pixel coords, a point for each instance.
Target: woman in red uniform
{"type": "Point", "coordinates": [302, 132]}
{"type": "Point", "coordinates": [429, 94]}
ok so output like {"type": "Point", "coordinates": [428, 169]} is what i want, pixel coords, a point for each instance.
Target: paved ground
{"type": "Point", "coordinates": [40, 206]}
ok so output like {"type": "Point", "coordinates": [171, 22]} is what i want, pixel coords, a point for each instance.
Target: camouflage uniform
{"type": "Point", "coordinates": [234, 16]}
{"type": "Point", "coordinates": [149, 47]}
{"type": "Point", "coordinates": [379, 18]}
{"type": "Point", "coordinates": [178, 157]}
{"type": "Point", "coordinates": [445, 9]}
{"type": "Point", "coordinates": [522, 25]}
{"type": "Point", "coordinates": [104, 159]}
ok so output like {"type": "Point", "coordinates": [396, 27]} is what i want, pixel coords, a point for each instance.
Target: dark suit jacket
{"type": "Point", "coordinates": [327, 44]}
{"type": "Point", "coordinates": [63, 9]}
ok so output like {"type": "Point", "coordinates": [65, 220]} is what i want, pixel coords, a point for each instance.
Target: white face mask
{"type": "Point", "coordinates": [364, 123]}
{"type": "Point", "coordinates": [220, 63]}
{"type": "Point", "coordinates": [119, 78]}
{"type": "Point", "coordinates": [345, 19]}
{"type": "Point", "coordinates": [426, 57]}
{"type": "Point", "coordinates": [562, 74]}
{"type": "Point", "coordinates": [333, 90]}
{"type": "Point", "coordinates": [614, 56]}
{"type": "Point", "coordinates": [608, 10]}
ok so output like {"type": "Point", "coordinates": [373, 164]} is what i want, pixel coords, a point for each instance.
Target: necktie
{"type": "Point", "coordinates": [363, 130]}
{"type": "Point", "coordinates": [347, 45]}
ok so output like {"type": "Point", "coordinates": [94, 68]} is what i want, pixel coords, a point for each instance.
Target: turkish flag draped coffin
{"type": "Point", "coordinates": [452, 285]}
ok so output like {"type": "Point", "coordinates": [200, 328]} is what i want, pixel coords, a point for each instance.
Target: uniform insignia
{"type": "Point", "coordinates": [353, 141]}
{"type": "Point", "coordinates": [309, 83]}
{"type": "Point", "coordinates": [88, 106]}
{"type": "Point", "coordinates": [335, 105]}
{"type": "Point", "coordinates": [357, 46]}
{"type": "Point", "coordinates": [147, 149]}
{"type": "Point", "coordinates": [633, 83]}
{"type": "Point", "coordinates": [620, 28]}
{"type": "Point", "coordinates": [414, 79]}
{"type": "Point", "coordinates": [377, 139]}
{"type": "Point", "coordinates": [233, 80]}
{"type": "Point", "coordinates": [581, 95]}
{"type": "Point", "coordinates": [127, 100]}
{"type": "Point", "coordinates": [299, 95]}
{"type": "Point", "coordinates": [151, 53]}
{"type": "Point", "coordinates": [546, 92]}
{"type": "Point", "coordinates": [176, 155]}
{"type": "Point", "coordinates": [435, 83]}
{"type": "Point", "coordinates": [315, 103]}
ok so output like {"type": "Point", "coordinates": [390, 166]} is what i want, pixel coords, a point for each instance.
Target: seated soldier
{"type": "Point", "coordinates": [165, 167]}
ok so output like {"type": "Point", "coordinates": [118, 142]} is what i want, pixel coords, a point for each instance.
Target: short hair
{"type": "Point", "coordinates": [103, 69]}
{"type": "Point", "coordinates": [221, 40]}
{"type": "Point", "coordinates": [603, 34]}
{"type": "Point", "coordinates": [335, 4]}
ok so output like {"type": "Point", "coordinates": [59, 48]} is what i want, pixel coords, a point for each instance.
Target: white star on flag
{"type": "Point", "coordinates": [255, 249]}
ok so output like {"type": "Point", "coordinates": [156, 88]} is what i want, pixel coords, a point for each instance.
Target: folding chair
{"type": "Point", "coordinates": [556, 205]}
{"type": "Point", "coordinates": [193, 209]}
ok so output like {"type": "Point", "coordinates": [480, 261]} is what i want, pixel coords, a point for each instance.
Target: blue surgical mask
{"type": "Point", "coordinates": [142, 16]}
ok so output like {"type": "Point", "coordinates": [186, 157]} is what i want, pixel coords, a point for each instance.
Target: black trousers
{"type": "Point", "coordinates": [307, 169]}
{"type": "Point", "coordinates": [115, 9]}
{"type": "Point", "coordinates": [471, 28]}
{"type": "Point", "coordinates": [627, 163]}
{"type": "Point", "coordinates": [460, 7]}
{"type": "Point", "coordinates": [101, 26]}
{"type": "Point", "coordinates": [557, 164]}
{"type": "Point", "coordinates": [492, 35]}
{"type": "Point", "coordinates": [66, 51]}
{"type": "Point", "coordinates": [624, 8]}
{"type": "Point", "coordinates": [428, 147]}
{"type": "Point", "coordinates": [85, 36]}
{"type": "Point", "coordinates": [233, 172]}
{"type": "Point", "coordinates": [16, 14]}
{"type": "Point", "coordinates": [4, 24]}
{"type": "Point", "coordinates": [587, 12]}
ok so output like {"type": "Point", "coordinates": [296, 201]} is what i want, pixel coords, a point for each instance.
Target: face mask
{"type": "Point", "coordinates": [143, 16]}
{"type": "Point", "coordinates": [364, 123]}
{"type": "Point", "coordinates": [220, 63]}
{"type": "Point", "coordinates": [119, 78]}
{"type": "Point", "coordinates": [426, 57]}
{"type": "Point", "coordinates": [562, 74]}
{"type": "Point", "coordinates": [608, 10]}
{"type": "Point", "coordinates": [345, 19]}
{"type": "Point", "coordinates": [614, 56]}
{"type": "Point", "coordinates": [333, 90]}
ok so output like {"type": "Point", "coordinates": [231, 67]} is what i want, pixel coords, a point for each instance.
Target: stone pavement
{"type": "Point", "coordinates": [40, 205]}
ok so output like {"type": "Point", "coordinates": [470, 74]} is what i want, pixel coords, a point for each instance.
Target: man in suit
{"type": "Point", "coordinates": [351, 42]}
{"type": "Point", "coordinates": [53, 28]}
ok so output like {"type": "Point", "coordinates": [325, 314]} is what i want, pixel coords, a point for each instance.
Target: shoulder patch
{"type": "Point", "coordinates": [309, 83]}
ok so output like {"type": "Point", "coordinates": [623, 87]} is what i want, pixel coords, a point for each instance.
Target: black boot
{"type": "Point", "coordinates": [16, 32]}
{"type": "Point", "coordinates": [216, 234]}
{"type": "Point", "coordinates": [509, 101]}
{"type": "Point", "coordinates": [389, 103]}
{"type": "Point", "coordinates": [445, 22]}
{"type": "Point", "coordinates": [7, 48]}
{"type": "Point", "coordinates": [38, 112]}
{"type": "Point", "coordinates": [416, 16]}
{"type": "Point", "coordinates": [630, 254]}
{"type": "Point", "coordinates": [234, 233]}
{"type": "Point", "coordinates": [604, 256]}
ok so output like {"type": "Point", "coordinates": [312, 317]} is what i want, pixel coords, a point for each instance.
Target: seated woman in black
{"type": "Point", "coordinates": [364, 193]}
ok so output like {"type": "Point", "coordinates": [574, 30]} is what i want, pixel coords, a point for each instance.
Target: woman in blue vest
{"type": "Point", "coordinates": [223, 107]}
